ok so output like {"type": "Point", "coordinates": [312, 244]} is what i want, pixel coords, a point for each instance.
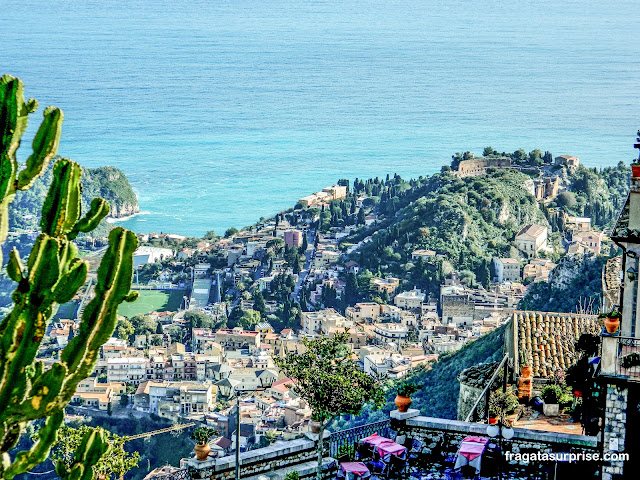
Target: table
{"type": "Point", "coordinates": [470, 452]}
{"type": "Point", "coordinates": [388, 448]}
{"type": "Point", "coordinates": [375, 439]}
{"type": "Point", "coordinates": [352, 470]}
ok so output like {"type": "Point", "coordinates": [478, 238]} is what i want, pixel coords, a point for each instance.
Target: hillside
{"type": "Point", "coordinates": [439, 395]}
{"type": "Point", "coordinates": [106, 182]}
{"type": "Point", "coordinates": [465, 221]}
{"type": "Point", "coordinates": [576, 281]}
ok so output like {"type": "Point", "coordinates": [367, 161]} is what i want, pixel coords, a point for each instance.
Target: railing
{"type": "Point", "coordinates": [473, 414]}
{"type": "Point", "coordinates": [344, 441]}
{"type": "Point", "coordinates": [628, 363]}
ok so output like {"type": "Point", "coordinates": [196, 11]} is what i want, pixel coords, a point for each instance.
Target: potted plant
{"type": "Point", "coordinates": [202, 436]}
{"type": "Point", "coordinates": [502, 404]}
{"type": "Point", "coordinates": [635, 166]}
{"type": "Point", "coordinates": [551, 395]}
{"type": "Point", "coordinates": [404, 390]}
{"type": "Point", "coordinates": [630, 360]}
{"type": "Point", "coordinates": [611, 320]}
{"type": "Point", "coordinates": [314, 424]}
{"type": "Point", "coordinates": [525, 366]}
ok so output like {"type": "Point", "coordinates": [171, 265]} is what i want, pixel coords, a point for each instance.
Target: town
{"type": "Point", "coordinates": [214, 312]}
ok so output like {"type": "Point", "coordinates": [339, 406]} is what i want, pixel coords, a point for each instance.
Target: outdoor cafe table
{"type": "Point", "coordinates": [354, 470]}
{"type": "Point", "coordinates": [470, 452]}
{"type": "Point", "coordinates": [375, 439]}
{"type": "Point", "coordinates": [386, 449]}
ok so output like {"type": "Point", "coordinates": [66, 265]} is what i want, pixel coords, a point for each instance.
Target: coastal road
{"type": "Point", "coordinates": [304, 273]}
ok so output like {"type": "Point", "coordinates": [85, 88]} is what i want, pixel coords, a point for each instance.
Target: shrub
{"type": "Point", "coordinates": [551, 394]}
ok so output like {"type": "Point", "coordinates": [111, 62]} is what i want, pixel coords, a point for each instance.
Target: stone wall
{"type": "Point", "coordinates": [430, 431]}
{"type": "Point", "coordinates": [615, 420]}
{"type": "Point", "coordinates": [466, 400]}
{"type": "Point", "coordinates": [276, 461]}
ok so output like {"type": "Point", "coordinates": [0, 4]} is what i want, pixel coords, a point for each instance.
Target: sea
{"type": "Point", "coordinates": [222, 112]}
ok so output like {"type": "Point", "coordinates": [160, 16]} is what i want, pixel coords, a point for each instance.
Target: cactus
{"type": "Point", "coordinates": [52, 275]}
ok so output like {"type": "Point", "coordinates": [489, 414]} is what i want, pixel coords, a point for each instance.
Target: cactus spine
{"type": "Point", "coordinates": [52, 275]}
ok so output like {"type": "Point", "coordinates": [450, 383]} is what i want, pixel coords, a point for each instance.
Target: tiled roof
{"type": "Point", "coordinates": [548, 339]}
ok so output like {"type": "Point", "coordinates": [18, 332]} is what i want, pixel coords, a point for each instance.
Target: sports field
{"type": "Point", "coordinates": [152, 301]}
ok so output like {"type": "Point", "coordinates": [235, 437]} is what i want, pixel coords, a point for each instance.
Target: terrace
{"type": "Point", "coordinates": [439, 441]}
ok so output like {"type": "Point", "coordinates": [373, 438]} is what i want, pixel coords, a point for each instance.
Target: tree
{"type": "Point", "coordinates": [114, 464]}
{"type": "Point", "coordinates": [351, 289]}
{"type": "Point", "coordinates": [210, 235]}
{"type": "Point", "coordinates": [143, 324]}
{"type": "Point", "coordinates": [361, 217]}
{"type": "Point", "coordinates": [109, 409]}
{"type": "Point", "coordinates": [305, 244]}
{"type": "Point", "coordinates": [331, 381]}
{"type": "Point", "coordinates": [258, 302]}
{"type": "Point", "coordinates": [125, 329]}
{"type": "Point", "coordinates": [195, 319]}
{"type": "Point", "coordinates": [159, 330]}
{"type": "Point", "coordinates": [249, 319]}
{"type": "Point", "coordinates": [230, 232]}
{"type": "Point", "coordinates": [52, 276]}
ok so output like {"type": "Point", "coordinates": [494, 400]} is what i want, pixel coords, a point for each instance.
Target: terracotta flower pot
{"type": "Point", "coordinates": [526, 371]}
{"type": "Point", "coordinates": [493, 420]}
{"type": "Point", "coordinates": [314, 426]}
{"type": "Point", "coordinates": [635, 170]}
{"type": "Point", "coordinates": [612, 324]}
{"type": "Point", "coordinates": [202, 451]}
{"type": "Point", "coordinates": [403, 403]}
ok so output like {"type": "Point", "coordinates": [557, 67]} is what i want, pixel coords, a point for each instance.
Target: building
{"type": "Point", "coordinates": [478, 166]}
{"type": "Point", "coordinates": [144, 255]}
{"type": "Point", "coordinates": [590, 239]}
{"type": "Point", "coordinates": [323, 321]}
{"type": "Point", "coordinates": [388, 284]}
{"type": "Point", "coordinates": [385, 333]}
{"type": "Point", "coordinates": [571, 163]}
{"type": "Point", "coordinates": [506, 270]}
{"type": "Point", "coordinates": [531, 239]}
{"type": "Point", "coordinates": [238, 339]}
{"type": "Point", "coordinates": [328, 194]}
{"type": "Point", "coordinates": [363, 311]}
{"type": "Point", "coordinates": [411, 300]}
{"type": "Point", "coordinates": [422, 254]}
{"type": "Point", "coordinates": [578, 224]}
{"type": "Point", "coordinates": [457, 309]}
{"type": "Point", "coordinates": [538, 269]}
{"type": "Point", "coordinates": [293, 238]}
{"type": "Point", "coordinates": [127, 370]}
{"type": "Point", "coordinates": [546, 188]}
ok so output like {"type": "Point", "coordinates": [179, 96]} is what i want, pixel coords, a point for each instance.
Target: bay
{"type": "Point", "coordinates": [222, 112]}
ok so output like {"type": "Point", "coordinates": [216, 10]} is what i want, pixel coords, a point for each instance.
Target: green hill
{"type": "Point", "coordinates": [106, 182]}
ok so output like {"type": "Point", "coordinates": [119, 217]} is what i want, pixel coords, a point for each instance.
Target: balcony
{"type": "Point", "coordinates": [620, 357]}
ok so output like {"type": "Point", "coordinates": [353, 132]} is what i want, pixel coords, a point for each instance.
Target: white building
{"type": "Point", "coordinates": [506, 270]}
{"type": "Point", "coordinates": [410, 300]}
{"type": "Point", "coordinates": [127, 370]}
{"type": "Point", "coordinates": [531, 239]}
{"type": "Point", "coordinates": [144, 255]}
{"type": "Point", "coordinates": [323, 321]}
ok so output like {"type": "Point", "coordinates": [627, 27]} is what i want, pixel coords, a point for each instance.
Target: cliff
{"type": "Point", "coordinates": [106, 182]}
{"type": "Point", "coordinates": [112, 185]}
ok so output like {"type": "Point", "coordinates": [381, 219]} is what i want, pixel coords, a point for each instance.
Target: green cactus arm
{"type": "Point", "coordinates": [68, 285]}
{"type": "Point", "coordinates": [100, 315]}
{"type": "Point", "coordinates": [38, 453]}
{"type": "Point", "coordinates": [13, 122]}
{"type": "Point", "coordinates": [45, 146]}
{"type": "Point", "coordinates": [61, 208]}
{"type": "Point", "coordinates": [99, 209]}
{"type": "Point", "coordinates": [15, 270]}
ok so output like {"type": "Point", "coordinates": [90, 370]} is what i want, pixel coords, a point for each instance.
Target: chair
{"type": "Point", "coordinates": [468, 471]}
{"type": "Point", "coordinates": [364, 452]}
{"type": "Point", "coordinates": [396, 467]}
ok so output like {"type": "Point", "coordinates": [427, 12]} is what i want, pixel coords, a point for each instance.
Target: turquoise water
{"type": "Point", "coordinates": [221, 112]}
